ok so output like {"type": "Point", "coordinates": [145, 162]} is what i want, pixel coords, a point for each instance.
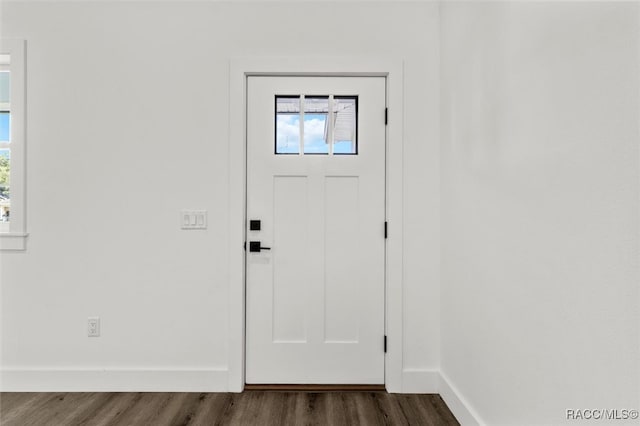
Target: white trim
{"type": "Point", "coordinates": [112, 380]}
{"type": "Point", "coordinates": [420, 381]}
{"type": "Point", "coordinates": [15, 239]}
{"type": "Point", "coordinates": [240, 69]}
{"type": "Point", "coordinates": [457, 404]}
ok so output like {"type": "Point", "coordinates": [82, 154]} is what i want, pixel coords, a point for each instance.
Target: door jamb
{"type": "Point", "coordinates": [240, 69]}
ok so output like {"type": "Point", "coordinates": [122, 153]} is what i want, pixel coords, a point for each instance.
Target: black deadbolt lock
{"type": "Point", "coordinates": [254, 225]}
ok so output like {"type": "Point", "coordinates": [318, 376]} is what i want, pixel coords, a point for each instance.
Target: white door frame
{"type": "Point", "coordinates": [240, 69]}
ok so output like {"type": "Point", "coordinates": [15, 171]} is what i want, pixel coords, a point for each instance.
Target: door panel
{"type": "Point", "coordinates": [341, 245]}
{"type": "Point", "coordinates": [315, 300]}
{"type": "Point", "coordinates": [289, 234]}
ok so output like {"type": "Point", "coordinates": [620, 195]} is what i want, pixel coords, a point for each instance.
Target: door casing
{"type": "Point", "coordinates": [240, 70]}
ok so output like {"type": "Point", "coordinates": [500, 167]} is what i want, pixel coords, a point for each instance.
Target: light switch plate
{"type": "Point", "coordinates": [193, 219]}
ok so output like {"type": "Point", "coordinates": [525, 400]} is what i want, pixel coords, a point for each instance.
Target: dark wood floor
{"type": "Point", "coordinates": [248, 408]}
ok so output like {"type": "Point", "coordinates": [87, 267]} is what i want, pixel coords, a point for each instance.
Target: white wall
{"type": "Point", "coordinates": [540, 208]}
{"type": "Point", "coordinates": [128, 123]}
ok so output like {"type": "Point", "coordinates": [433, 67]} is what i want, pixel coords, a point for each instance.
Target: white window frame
{"type": "Point", "coordinates": [15, 237]}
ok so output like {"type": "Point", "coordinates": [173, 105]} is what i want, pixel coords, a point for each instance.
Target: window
{"type": "Point", "coordinates": [12, 145]}
{"type": "Point", "coordinates": [311, 125]}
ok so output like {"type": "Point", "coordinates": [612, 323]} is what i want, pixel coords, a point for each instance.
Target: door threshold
{"type": "Point", "coordinates": [313, 388]}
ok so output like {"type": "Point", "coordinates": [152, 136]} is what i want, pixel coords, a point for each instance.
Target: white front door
{"type": "Point", "coordinates": [316, 207]}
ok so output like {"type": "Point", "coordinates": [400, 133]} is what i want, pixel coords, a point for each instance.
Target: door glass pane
{"type": "Point", "coordinates": [316, 109]}
{"type": "Point", "coordinates": [315, 124]}
{"type": "Point", "coordinates": [345, 125]}
{"type": "Point", "coordinates": [287, 124]}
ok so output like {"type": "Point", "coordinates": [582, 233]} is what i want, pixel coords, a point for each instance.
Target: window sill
{"type": "Point", "coordinates": [13, 241]}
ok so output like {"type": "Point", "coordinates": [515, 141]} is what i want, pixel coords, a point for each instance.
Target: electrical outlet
{"type": "Point", "coordinates": [93, 326]}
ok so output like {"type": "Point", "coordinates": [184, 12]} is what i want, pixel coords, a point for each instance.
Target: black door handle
{"type": "Point", "coordinates": [256, 247]}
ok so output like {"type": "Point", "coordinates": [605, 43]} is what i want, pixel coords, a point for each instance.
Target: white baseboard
{"type": "Point", "coordinates": [457, 403]}
{"type": "Point", "coordinates": [113, 380]}
{"type": "Point", "coordinates": [434, 381]}
{"type": "Point", "coordinates": [420, 381]}
{"type": "Point", "coordinates": [198, 380]}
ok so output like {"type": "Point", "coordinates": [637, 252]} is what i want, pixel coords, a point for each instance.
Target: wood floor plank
{"type": "Point", "coordinates": [335, 409]}
{"type": "Point", "coordinates": [212, 408]}
{"type": "Point", "coordinates": [225, 416]}
{"type": "Point", "coordinates": [275, 407]}
{"type": "Point", "coordinates": [389, 408]}
{"type": "Point", "coordinates": [127, 409]}
{"type": "Point", "coordinates": [140, 411]}
{"type": "Point", "coordinates": [260, 408]}
{"type": "Point", "coordinates": [73, 415]}
{"type": "Point", "coordinates": [101, 410]}
{"type": "Point", "coordinates": [437, 405]}
{"type": "Point", "coordinates": [169, 404]}
{"type": "Point", "coordinates": [409, 410]}
{"type": "Point", "coordinates": [187, 410]}
{"type": "Point", "coordinates": [11, 401]}
{"type": "Point", "coordinates": [64, 408]}
{"type": "Point", "coordinates": [28, 413]}
{"type": "Point", "coordinates": [293, 406]}
{"type": "Point", "coordinates": [424, 411]}
{"type": "Point", "coordinates": [317, 409]}
{"type": "Point", "coordinates": [366, 406]}
{"type": "Point", "coordinates": [121, 409]}
{"type": "Point", "coordinates": [8, 400]}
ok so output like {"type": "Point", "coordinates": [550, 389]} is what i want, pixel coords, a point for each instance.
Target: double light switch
{"type": "Point", "coordinates": [193, 219]}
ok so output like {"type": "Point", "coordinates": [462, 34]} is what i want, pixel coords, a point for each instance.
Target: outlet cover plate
{"type": "Point", "coordinates": [93, 326]}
